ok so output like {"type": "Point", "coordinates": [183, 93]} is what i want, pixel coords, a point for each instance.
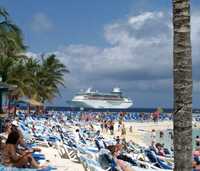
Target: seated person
{"type": "Point", "coordinates": [22, 146]}
{"type": "Point", "coordinates": [196, 164]}
{"type": "Point", "coordinates": [153, 146]}
{"type": "Point", "coordinates": [157, 148]}
{"type": "Point", "coordinates": [160, 149]}
{"type": "Point", "coordinates": [106, 159]}
{"type": "Point", "coordinates": [197, 141]}
{"type": "Point", "coordinates": [117, 139]}
{"type": "Point", "coordinates": [121, 164]}
{"type": "Point", "coordinates": [10, 156]}
{"type": "Point", "coordinates": [1, 148]}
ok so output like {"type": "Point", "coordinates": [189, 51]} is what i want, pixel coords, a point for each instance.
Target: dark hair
{"type": "Point", "coordinates": [158, 145]}
{"type": "Point", "coordinates": [13, 137]}
{"type": "Point", "coordinates": [197, 136]}
{"type": "Point", "coordinates": [14, 128]}
{"type": "Point", "coordinates": [111, 148]}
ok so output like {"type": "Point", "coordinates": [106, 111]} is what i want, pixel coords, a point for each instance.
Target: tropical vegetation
{"type": "Point", "coordinates": [35, 78]}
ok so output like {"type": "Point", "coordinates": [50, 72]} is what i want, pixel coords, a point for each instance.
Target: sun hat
{"type": "Point", "coordinates": [15, 123]}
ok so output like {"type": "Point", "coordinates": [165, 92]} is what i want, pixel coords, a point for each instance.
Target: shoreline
{"type": "Point", "coordinates": [140, 129]}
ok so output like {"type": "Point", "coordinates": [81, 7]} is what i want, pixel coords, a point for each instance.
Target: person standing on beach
{"type": "Point", "coordinates": [153, 135]}
{"type": "Point", "coordinates": [106, 125]}
{"type": "Point", "coordinates": [102, 125]}
{"type": "Point", "coordinates": [197, 141]}
{"type": "Point", "coordinates": [156, 116]}
{"type": "Point", "coordinates": [161, 138]}
{"type": "Point", "coordinates": [130, 129]}
{"type": "Point", "coordinates": [119, 126]}
{"type": "Point", "coordinates": [77, 136]}
{"type": "Point", "coordinates": [123, 133]}
{"type": "Point", "coordinates": [111, 127]}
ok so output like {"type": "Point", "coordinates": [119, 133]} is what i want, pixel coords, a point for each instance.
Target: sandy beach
{"type": "Point", "coordinates": [139, 129]}
{"type": "Point", "coordinates": [138, 136]}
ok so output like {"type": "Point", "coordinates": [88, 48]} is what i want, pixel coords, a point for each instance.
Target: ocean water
{"type": "Point", "coordinates": [146, 110]}
{"type": "Point", "coordinates": [195, 132]}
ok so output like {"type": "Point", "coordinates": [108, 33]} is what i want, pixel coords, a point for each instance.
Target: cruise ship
{"type": "Point", "coordinates": [98, 100]}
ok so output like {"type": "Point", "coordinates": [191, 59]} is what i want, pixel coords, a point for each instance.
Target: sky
{"type": "Point", "coordinates": [104, 44]}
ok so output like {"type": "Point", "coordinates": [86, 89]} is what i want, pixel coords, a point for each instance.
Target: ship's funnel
{"type": "Point", "coordinates": [116, 90]}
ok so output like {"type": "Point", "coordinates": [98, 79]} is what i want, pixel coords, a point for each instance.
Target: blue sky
{"type": "Point", "coordinates": [108, 43]}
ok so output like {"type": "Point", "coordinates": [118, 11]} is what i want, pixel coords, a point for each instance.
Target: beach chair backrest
{"type": "Point", "coordinates": [151, 155]}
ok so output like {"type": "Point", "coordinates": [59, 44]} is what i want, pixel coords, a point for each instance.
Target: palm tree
{"type": "Point", "coordinates": [22, 74]}
{"type": "Point", "coordinates": [11, 47]}
{"type": "Point", "coordinates": [11, 41]}
{"type": "Point", "coordinates": [35, 79]}
{"type": "Point", "coordinates": [5, 64]}
{"type": "Point", "coordinates": [182, 86]}
{"type": "Point", "coordinates": [49, 77]}
{"type": "Point", "coordinates": [11, 44]}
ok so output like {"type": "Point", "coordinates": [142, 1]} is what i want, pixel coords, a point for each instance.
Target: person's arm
{"type": "Point", "coordinates": [124, 166]}
{"type": "Point", "coordinates": [15, 157]}
{"type": "Point", "coordinates": [13, 154]}
{"type": "Point", "coordinates": [156, 149]}
{"type": "Point", "coordinates": [20, 151]}
{"type": "Point", "coordinates": [36, 149]}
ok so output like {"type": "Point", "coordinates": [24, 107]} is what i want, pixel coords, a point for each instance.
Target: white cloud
{"type": "Point", "coordinates": [139, 58]}
{"type": "Point", "coordinates": [138, 21]}
{"type": "Point", "coordinates": [41, 23]}
{"type": "Point", "coordinates": [196, 86]}
{"type": "Point", "coordinates": [132, 55]}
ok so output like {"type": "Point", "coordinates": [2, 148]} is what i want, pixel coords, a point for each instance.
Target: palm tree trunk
{"type": "Point", "coordinates": [182, 86]}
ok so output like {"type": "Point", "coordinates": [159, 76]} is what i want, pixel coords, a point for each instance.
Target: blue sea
{"type": "Point", "coordinates": [146, 110]}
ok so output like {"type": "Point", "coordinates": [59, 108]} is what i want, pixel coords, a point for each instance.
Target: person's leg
{"type": "Point", "coordinates": [22, 162]}
{"type": "Point", "coordinates": [34, 163]}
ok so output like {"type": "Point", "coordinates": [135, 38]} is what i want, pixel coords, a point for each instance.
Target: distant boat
{"type": "Point", "coordinates": [94, 99]}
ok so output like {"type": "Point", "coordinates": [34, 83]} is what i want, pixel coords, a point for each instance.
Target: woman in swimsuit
{"type": "Point", "coordinates": [10, 156]}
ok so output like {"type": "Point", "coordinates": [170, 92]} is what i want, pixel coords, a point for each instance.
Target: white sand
{"type": "Point", "coordinates": [137, 136]}
{"type": "Point", "coordinates": [139, 129]}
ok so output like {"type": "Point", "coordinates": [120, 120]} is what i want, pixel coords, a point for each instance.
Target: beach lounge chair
{"type": "Point", "coordinates": [4, 168]}
{"type": "Point", "coordinates": [157, 161]}
{"type": "Point", "coordinates": [71, 153]}
{"type": "Point", "coordinates": [91, 165]}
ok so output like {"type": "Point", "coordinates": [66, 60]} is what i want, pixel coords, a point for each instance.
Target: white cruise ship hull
{"type": "Point", "coordinates": [111, 104]}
